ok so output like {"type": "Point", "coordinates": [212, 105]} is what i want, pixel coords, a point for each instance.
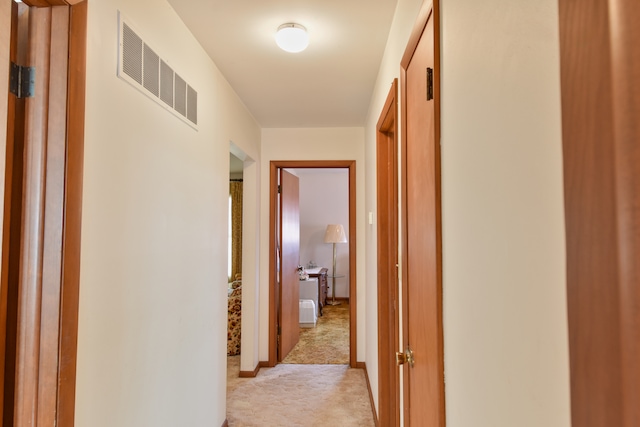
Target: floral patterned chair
{"type": "Point", "coordinates": [234, 319]}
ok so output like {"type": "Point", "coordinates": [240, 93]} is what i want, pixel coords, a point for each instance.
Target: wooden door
{"type": "Point", "coordinates": [422, 259]}
{"type": "Point", "coordinates": [274, 263]}
{"type": "Point", "coordinates": [388, 325]}
{"type": "Point", "coordinates": [42, 210]}
{"type": "Point", "coordinates": [600, 67]}
{"type": "Point", "coordinates": [288, 313]}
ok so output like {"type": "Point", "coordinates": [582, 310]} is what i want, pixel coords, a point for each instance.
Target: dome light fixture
{"type": "Point", "coordinates": [292, 38]}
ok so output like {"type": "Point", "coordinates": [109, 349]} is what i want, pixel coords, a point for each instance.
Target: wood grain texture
{"type": "Point", "coordinates": [600, 68]}
{"type": "Point", "coordinates": [273, 281]}
{"type": "Point", "coordinates": [47, 3]}
{"type": "Point", "coordinates": [422, 229]}
{"type": "Point", "coordinates": [54, 188]}
{"type": "Point", "coordinates": [12, 111]}
{"type": "Point", "coordinates": [387, 260]}
{"type": "Point", "coordinates": [353, 288]}
{"type": "Point", "coordinates": [73, 216]}
{"type": "Point", "coordinates": [288, 314]}
{"type": "Point", "coordinates": [46, 321]}
{"type": "Point", "coordinates": [30, 291]}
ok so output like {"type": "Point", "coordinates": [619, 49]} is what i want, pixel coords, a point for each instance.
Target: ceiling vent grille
{"type": "Point", "coordinates": [140, 65]}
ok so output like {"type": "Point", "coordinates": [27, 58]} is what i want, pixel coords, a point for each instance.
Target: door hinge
{"type": "Point", "coordinates": [22, 81]}
{"type": "Point", "coordinates": [429, 84]}
{"type": "Point", "coordinates": [279, 189]}
{"type": "Point", "coordinates": [279, 330]}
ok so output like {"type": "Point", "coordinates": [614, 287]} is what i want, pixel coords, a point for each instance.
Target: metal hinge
{"type": "Point", "coordinates": [279, 189]}
{"type": "Point", "coordinates": [22, 81]}
{"type": "Point", "coordinates": [429, 84]}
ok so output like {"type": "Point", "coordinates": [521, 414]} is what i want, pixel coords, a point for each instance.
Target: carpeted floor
{"type": "Point", "coordinates": [328, 342]}
{"type": "Point", "coordinates": [298, 396]}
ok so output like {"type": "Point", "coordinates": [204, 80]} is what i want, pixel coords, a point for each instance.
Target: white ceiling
{"type": "Point", "coordinates": [327, 85]}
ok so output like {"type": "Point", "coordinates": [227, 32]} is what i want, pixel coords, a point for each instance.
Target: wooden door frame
{"type": "Point", "coordinates": [50, 258]}
{"type": "Point", "coordinates": [312, 164]}
{"type": "Point", "coordinates": [387, 227]}
{"type": "Point", "coordinates": [427, 9]}
{"type": "Point", "coordinates": [600, 108]}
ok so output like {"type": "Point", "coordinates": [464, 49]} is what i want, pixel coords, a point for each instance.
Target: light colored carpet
{"type": "Point", "coordinates": [328, 342]}
{"type": "Point", "coordinates": [298, 396]}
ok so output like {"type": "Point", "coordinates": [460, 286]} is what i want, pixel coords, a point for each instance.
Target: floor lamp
{"type": "Point", "coordinates": [334, 234]}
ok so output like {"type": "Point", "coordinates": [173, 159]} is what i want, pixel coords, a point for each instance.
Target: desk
{"type": "Point", "coordinates": [321, 274]}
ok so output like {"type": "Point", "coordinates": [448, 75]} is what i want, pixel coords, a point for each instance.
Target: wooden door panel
{"type": "Point", "coordinates": [42, 187]}
{"type": "Point", "coordinates": [422, 234]}
{"type": "Point", "coordinates": [290, 258]}
{"type": "Point", "coordinates": [388, 326]}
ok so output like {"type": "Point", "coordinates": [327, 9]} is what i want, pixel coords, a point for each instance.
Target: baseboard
{"type": "Point", "coordinates": [363, 365]}
{"type": "Point", "coordinates": [254, 373]}
{"type": "Point", "coordinates": [225, 423]}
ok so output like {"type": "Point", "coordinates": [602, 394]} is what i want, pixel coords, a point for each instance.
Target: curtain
{"type": "Point", "coordinates": [235, 191]}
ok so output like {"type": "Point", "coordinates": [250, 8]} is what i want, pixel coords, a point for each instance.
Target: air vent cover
{"type": "Point", "coordinates": [142, 67]}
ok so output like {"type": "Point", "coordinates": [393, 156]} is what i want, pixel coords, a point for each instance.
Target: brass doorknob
{"type": "Point", "coordinates": [405, 357]}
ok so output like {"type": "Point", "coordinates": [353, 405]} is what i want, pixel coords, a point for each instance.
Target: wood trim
{"type": "Point", "coordinates": [273, 315]}
{"type": "Point", "coordinates": [600, 64]}
{"type": "Point", "coordinates": [273, 167]}
{"type": "Point", "coordinates": [363, 366]}
{"type": "Point", "coordinates": [68, 346]}
{"type": "Point", "coordinates": [387, 260]}
{"type": "Point", "coordinates": [254, 373]}
{"type": "Point", "coordinates": [53, 217]}
{"type": "Point", "coordinates": [31, 259]}
{"type": "Point", "coordinates": [418, 29]}
{"type": "Point", "coordinates": [50, 3]}
{"type": "Point", "coordinates": [11, 212]}
{"type": "Point", "coordinates": [49, 262]}
{"type": "Point", "coordinates": [427, 9]}
{"type": "Point", "coordinates": [353, 288]}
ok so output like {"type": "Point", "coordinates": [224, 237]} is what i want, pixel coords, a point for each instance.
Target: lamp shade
{"type": "Point", "coordinates": [335, 234]}
{"type": "Point", "coordinates": [292, 38]}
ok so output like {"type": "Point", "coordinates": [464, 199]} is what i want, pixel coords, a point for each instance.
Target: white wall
{"type": "Point", "coordinates": [152, 325]}
{"type": "Point", "coordinates": [505, 319]}
{"type": "Point", "coordinates": [324, 199]}
{"type": "Point", "coordinates": [312, 144]}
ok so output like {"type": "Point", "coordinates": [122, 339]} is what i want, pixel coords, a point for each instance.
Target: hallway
{"type": "Point", "coordinates": [298, 395]}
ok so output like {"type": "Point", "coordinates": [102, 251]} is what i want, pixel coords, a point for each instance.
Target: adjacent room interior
{"type": "Point", "coordinates": [323, 265]}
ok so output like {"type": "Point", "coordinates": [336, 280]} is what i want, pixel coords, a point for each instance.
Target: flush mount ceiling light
{"type": "Point", "coordinates": [292, 38]}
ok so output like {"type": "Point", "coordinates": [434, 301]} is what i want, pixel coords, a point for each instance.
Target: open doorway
{"type": "Point", "coordinates": [313, 250]}
{"type": "Point", "coordinates": [234, 267]}
{"type": "Point", "coordinates": [323, 225]}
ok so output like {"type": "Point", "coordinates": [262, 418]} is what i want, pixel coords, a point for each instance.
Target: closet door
{"type": "Point", "coordinates": [422, 230]}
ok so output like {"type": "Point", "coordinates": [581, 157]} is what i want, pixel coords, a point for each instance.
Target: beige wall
{"type": "Point", "coordinates": [152, 326]}
{"type": "Point", "coordinates": [312, 144]}
{"type": "Point", "coordinates": [505, 319]}
{"type": "Point", "coordinates": [402, 24]}
{"type": "Point", "coordinates": [324, 199]}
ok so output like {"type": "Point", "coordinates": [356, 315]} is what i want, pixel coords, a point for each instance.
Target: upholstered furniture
{"type": "Point", "coordinates": [234, 319]}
